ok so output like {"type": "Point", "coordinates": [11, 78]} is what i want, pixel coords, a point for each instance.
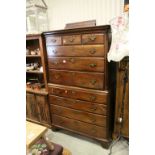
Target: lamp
{"type": "Point", "coordinates": [36, 16]}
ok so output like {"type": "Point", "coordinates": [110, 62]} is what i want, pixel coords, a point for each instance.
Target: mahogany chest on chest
{"type": "Point", "coordinates": [79, 81]}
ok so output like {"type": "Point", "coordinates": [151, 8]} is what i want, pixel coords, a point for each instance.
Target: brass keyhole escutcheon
{"type": "Point", "coordinates": [92, 51]}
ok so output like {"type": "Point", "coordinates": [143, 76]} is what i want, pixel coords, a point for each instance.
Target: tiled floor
{"type": "Point", "coordinates": [80, 145]}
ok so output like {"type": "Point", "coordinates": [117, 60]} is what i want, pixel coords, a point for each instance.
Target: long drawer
{"type": "Point", "coordinates": [77, 63]}
{"type": "Point", "coordinates": [78, 126]}
{"type": "Point", "coordinates": [80, 79]}
{"type": "Point", "coordinates": [79, 115]}
{"type": "Point", "coordinates": [79, 93]}
{"type": "Point", "coordinates": [76, 50]}
{"type": "Point", "coordinates": [78, 104]}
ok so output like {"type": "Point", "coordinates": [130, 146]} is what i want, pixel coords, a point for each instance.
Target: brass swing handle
{"type": "Point", "coordinates": [93, 82]}
{"type": "Point", "coordinates": [93, 119]}
{"type": "Point", "coordinates": [91, 37]}
{"type": "Point", "coordinates": [92, 51]}
{"type": "Point", "coordinates": [92, 98]}
{"type": "Point", "coordinates": [72, 60]}
{"type": "Point", "coordinates": [53, 40]}
{"type": "Point", "coordinates": [93, 130]}
{"type": "Point", "coordinates": [71, 39]}
{"type": "Point", "coordinates": [93, 108]}
{"type": "Point", "coordinates": [54, 51]}
{"type": "Point", "coordinates": [57, 76]}
{"type": "Point", "coordinates": [59, 111]}
{"type": "Point", "coordinates": [92, 65]}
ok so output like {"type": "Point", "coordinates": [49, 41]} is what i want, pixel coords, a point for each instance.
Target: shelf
{"type": "Point", "coordinates": [42, 91]}
{"type": "Point", "coordinates": [33, 56]}
{"type": "Point", "coordinates": [35, 71]}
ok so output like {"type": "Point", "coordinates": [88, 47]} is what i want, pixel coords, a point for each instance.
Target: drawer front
{"type": "Point", "coordinates": [53, 40]}
{"type": "Point", "coordinates": [80, 79]}
{"type": "Point", "coordinates": [79, 93]}
{"type": "Point", "coordinates": [77, 126]}
{"type": "Point", "coordinates": [79, 105]}
{"type": "Point", "coordinates": [77, 50]}
{"type": "Point", "coordinates": [78, 64]}
{"type": "Point", "coordinates": [71, 39]}
{"type": "Point", "coordinates": [79, 115]}
{"type": "Point", "coordinates": [97, 38]}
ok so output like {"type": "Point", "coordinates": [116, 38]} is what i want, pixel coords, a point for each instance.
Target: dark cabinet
{"type": "Point", "coordinates": [37, 109]}
{"type": "Point", "coordinates": [121, 124]}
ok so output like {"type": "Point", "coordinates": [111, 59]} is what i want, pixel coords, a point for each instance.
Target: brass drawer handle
{"type": "Point", "coordinates": [76, 123]}
{"type": "Point", "coordinates": [93, 130]}
{"type": "Point", "coordinates": [55, 63]}
{"type": "Point", "coordinates": [57, 76]}
{"type": "Point", "coordinates": [71, 39]}
{"type": "Point", "coordinates": [54, 51]}
{"type": "Point", "coordinates": [93, 119]}
{"type": "Point", "coordinates": [93, 82]}
{"type": "Point", "coordinates": [72, 60]}
{"type": "Point", "coordinates": [59, 111]}
{"type": "Point", "coordinates": [92, 98]}
{"type": "Point", "coordinates": [75, 102]}
{"type": "Point", "coordinates": [92, 51]}
{"type": "Point", "coordinates": [92, 37]}
{"type": "Point", "coordinates": [92, 65]}
{"type": "Point", "coordinates": [53, 40]}
{"type": "Point", "coordinates": [93, 107]}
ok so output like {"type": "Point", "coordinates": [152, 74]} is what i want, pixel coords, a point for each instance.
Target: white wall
{"type": "Point", "coordinates": [61, 12]}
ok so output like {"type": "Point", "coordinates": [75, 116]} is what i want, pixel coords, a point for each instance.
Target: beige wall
{"type": "Point", "coordinates": [61, 12]}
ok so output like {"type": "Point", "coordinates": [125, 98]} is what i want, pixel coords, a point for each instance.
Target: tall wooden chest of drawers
{"type": "Point", "coordinates": [79, 81]}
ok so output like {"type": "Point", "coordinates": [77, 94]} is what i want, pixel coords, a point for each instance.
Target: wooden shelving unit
{"type": "Point", "coordinates": [37, 108]}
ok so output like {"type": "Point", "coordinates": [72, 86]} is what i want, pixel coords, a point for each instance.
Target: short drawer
{"type": "Point", "coordinates": [94, 38]}
{"type": "Point", "coordinates": [79, 79]}
{"type": "Point", "coordinates": [78, 104]}
{"type": "Point", "coordinates": [79, 93]}
{"type": "Point", "coordinates": [71, 39]}
{"type": "Point", "coordinates": [77, 63]}
{"type": "Point", "coordinates": [78, 126]}
{"type": "Point", "coordinates": [53, 40]}
{"type": "Point", "coordinates": [79, 115]}
{"type": "Point", "coordinates": [76, 50]}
